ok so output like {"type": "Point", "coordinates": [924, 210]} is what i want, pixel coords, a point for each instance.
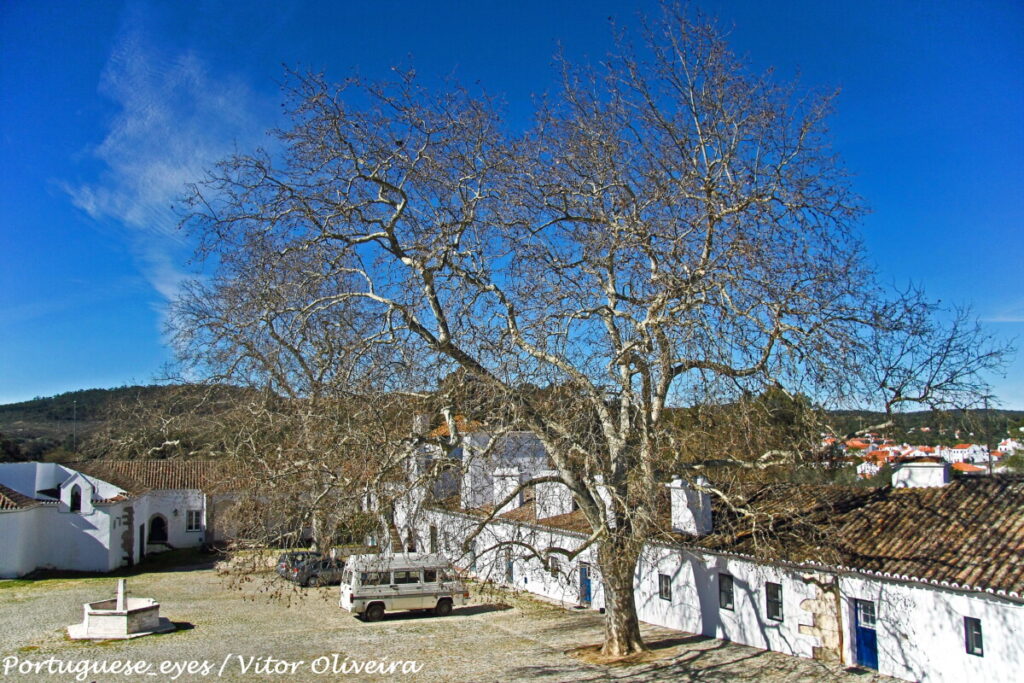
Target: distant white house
{"type": "Point", "coordinates": [1010, 446]}
{"type": "Point", "coordinates": [99, 516]}
{"type": "Point", "coordinates": [964, 452]}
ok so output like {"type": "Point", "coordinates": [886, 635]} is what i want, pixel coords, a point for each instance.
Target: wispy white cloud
{"type": "Point", "coordinates": [1010, 313]}
{"type": "Point", "coordinates": [175, 118]}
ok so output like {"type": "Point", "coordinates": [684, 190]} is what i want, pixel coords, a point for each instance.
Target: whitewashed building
{"type": "Point", "coordinates": [98, 516]}
{"type": "Point", "coordinates": [924, 581]}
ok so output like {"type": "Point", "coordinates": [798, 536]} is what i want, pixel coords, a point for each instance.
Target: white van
{"type": "Point", "coordinates": [374, 584]}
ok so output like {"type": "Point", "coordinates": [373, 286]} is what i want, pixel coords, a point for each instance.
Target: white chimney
{"type": "Point", "coordinates": [420, 424]}
{"type": "Point", "coordinates": [691, 509]}
{"type": "Point", "coordinates": [605, 493]}
{"type": "Point", "coordinates": [506, 479]}
{"type": "Point", "coordinates": [552, 497]}
{"type": "Point", "coordinates": [920, 475]}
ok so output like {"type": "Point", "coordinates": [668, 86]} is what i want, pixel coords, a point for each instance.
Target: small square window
{"type": "Point", "coordinates": [865, 613]}
{"type": "Point", "coordinates": [407, 577]}
{"type": "Point", "coordinates": [194, 520]}
{"type": "Point", "coordinates": [725, 591]}
{"type": "Point", "coordinates": [972, 637]}
{"type": "Point", "coordinates": [773, 594]}
{"type": "Point", "coordinates": [664, 586]}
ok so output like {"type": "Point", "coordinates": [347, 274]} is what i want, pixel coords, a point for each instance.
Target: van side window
{"type": "Point", "coordinates": [429, 576]}
{"type": "Point", "coordinates": [373, 578]}
{"type": "Point", "coordinates": [407, 577]}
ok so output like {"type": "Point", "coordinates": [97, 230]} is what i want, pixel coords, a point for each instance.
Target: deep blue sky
{"type": "Point", "coordinates": [108, 108]}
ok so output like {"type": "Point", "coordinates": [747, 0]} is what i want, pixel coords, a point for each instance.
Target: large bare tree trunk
{"type": "Point", "coordinates": [622, 628]}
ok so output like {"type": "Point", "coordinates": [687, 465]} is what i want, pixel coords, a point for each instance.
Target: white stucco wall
{"type": "Point", "coordinates": [694, 605]}
{"type": "Point", "coordinates": [920, 628]}
{"type": "Point", "coordinates": [18, 557]}
{"type": "Point", "coordinates": [920, 631]}
{"type": "Point", "coordinates": [165, 503]}
{"type": "Point", "coordinates": [529, 573]}
{"type": "Point", "coordinates": [91, 539]}
{"type": "Point", "coordinates": [50, 537]}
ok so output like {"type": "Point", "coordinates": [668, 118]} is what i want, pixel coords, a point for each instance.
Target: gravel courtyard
{"type": "Point", "coordinates": [225, 627]}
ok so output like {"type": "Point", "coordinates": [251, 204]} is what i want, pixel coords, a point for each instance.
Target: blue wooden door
{"type": "Point", "coordinates": [585, 584]}
{"type": "Point", "coordinates": [865, 634]}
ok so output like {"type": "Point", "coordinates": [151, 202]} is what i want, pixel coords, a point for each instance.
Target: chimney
{"type": "Point", "coordinates": [920, 474]}
{"type": "Point", "coordinates": [420, 424]}
{"type": "Point", "coordinates": [691, 509]}
{"type": "Point", "coordinates": [552, 497]}
{"type": "Point", "coordinates": [604, 492]}
{"type": "Point", "coordinates": [506, 479]}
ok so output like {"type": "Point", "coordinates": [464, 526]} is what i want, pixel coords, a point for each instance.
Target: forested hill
{"type": "Point", "coordinates": [57, 427]}
{"type": "Point", "coordinates": [931, 428]}
{"type": "Point", "coordinates": [32, 429]}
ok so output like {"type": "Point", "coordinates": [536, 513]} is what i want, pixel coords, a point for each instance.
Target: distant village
{"type": "Point", "coordinates": [873, 452]}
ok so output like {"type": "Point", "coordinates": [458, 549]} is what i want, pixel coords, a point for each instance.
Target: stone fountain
{"type": "Point", "coordinates": [119, 618]}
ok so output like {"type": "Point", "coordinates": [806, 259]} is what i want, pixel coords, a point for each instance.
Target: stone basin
{"type": "Point", "coordinates": [119, 618]}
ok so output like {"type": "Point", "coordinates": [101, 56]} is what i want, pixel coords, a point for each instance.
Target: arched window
{"type": "Point", "coordinates": [76, 498]}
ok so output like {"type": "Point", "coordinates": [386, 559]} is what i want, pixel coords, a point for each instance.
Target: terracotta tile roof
{"type": "Point", "coordinates": [12, 500]}
{"type": "Point", "coordinates": [462, 423]}
{"type": "Point", "coordinates": [138, 476]}
{"type": "Point", "coordinates": [968, 534]}
{"type": "Point", "coordinates": [967, 467]}
{"type": "Point", "coordinates": [963, 446]}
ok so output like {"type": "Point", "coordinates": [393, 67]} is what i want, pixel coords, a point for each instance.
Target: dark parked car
{"type": "Point", "coordinates": [317, 572]}
{"type": "Point", "coordinates": [289, 561]}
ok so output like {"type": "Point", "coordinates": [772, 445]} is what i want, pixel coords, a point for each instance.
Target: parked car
{"type": "Point", "coordinates": [287, 561]}
{"type": "Point", "coordinates": [317, 572]}
{"type": "Point", "coordinates": [375, 584]}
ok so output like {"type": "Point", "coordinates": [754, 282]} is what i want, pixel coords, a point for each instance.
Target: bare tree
{"type": "Point", "coordinates": [672, 231]}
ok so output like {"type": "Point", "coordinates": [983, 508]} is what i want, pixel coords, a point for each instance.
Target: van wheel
{"type": "Point", "coordinates": [374, 612]}
{"type": "Point", "coordinates": [314, 581]}
{"type": "Point", "coordinates": [443, 608]}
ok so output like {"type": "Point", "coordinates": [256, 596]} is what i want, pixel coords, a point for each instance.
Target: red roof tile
{"type": "Point", "coordinates": [462, 423]}
{"type": "Point", "coordinates": [138, 476]}
{"type": "Point", "coordinates": [12, 500]}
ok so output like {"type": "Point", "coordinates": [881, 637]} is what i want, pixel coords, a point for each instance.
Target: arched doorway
{"type": "Point", "coordinates": [76, 498]}
{"type": "Point", "coordinates": [157, 529]}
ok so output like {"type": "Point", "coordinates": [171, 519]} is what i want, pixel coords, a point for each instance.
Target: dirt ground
{"type": "Point", "coordinates": [233, 631]}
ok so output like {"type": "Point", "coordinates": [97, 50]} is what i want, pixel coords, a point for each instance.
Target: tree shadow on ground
{"type": "Point", "coordinates": [714, 663]}
{"type": "Point", "coordinates": [185, 560]}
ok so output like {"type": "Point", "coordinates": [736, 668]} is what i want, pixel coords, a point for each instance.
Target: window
{"type": "Point", "coordinates": [407, 577]}
{"type": "Point", "coordinates": [664, 586]}
{"type": "Point", "coordinates": [194, 520]}
{"type": "Point", "coordinates": [374, 578]}
{"type": "Point", "coordinates": [433, 538]}
{"type": "Point", "coordinates": [76, 498]}
{"type": "Point", "coordinates": [773, 592]}
{"type": "Point", "coordinates": [865, 613]}
{"type": "Point", "coordinates": [553, 565]}
{"type": "Point", "coordinates": [972, 636]}
{"type": "Point", "coordinates": [429, 576]}
{"type": "Point", "coordinates": [509, 567]}
{"type": "Point", "coordinates": [725, 591]}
